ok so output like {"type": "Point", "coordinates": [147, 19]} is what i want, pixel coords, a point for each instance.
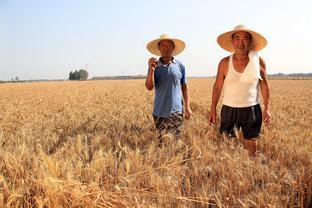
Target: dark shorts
{"type": "Point", "coordinates": [249, 119]}
{"type": "Point", "coordinates": [173, 124]}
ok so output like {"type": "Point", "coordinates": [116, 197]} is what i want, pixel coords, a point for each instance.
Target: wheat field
{"type": "Point", "coordinates": [93, 144]}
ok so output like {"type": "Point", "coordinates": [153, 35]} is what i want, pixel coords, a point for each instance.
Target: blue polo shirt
{"type": "Point", "coordinates": [168, 81]}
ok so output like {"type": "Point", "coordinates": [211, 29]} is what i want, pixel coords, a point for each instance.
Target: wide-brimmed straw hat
{"type": "Point", "coordinates": [258, 41]}
{"type": "Point", "coordinates": [152, 46]}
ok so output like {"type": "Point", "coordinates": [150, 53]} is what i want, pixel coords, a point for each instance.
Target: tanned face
{"type": "Point", "coordinates": [241, 42]}
{"type": "Point", "coordinates": [166, 48]}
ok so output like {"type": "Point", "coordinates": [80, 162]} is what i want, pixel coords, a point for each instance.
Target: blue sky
{"type": "Point", "coordinates": [45, 39]}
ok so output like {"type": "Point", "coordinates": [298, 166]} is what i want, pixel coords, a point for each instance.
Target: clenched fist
{"type": "Point", "coordinates": [152, 63]}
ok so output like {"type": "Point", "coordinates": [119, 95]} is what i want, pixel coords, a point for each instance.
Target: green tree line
{"type": "Point", "coordinates": [78, 75]}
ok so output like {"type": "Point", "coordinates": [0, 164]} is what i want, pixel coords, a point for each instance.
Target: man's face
{"type": "Point", "coordinates": [241, 42]}
{"type": "Point", "coordinates": [166, 48]}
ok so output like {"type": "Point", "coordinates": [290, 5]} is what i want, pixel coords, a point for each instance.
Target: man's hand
{"type": "Point", "coordinates": [188, 113]}
{"type": "Point", "coordinates": [212, 117]}
{"type": "Point", "coordinates": [266, 117]}
{"type": "Point", "coordinates": [152, 62]}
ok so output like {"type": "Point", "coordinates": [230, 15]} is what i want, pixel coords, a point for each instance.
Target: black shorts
{"type": "Point", "coordinates": [249, 119]}
{"type": "Point", "coordinates": [172, 124]}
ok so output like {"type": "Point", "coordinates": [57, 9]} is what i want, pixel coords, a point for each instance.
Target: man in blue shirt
{"type": "Point", "coordinates": [167, 75]}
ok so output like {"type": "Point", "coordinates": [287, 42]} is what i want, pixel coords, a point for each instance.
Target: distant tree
{"type": "Point", "coordinates": [16, 78]}
{"type": "Point", "coordinates": [70, 75]}
{"type": "Point", "coordinates": [83, 74]}
{"type": "Point", "coordinates": [78, 75]}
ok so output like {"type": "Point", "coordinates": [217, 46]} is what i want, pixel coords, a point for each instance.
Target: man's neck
{"type": "Point", "coordinates": [166, 60]}
{"type": "Point", "coordinates": [241, 56]}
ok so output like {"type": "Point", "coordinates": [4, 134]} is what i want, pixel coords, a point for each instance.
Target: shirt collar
{"type": "Point", "coordinates": [160, 63]}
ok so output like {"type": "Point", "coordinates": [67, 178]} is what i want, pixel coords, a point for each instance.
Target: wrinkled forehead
{"type": "Point", "coordinates": [166, 42]}
{"type": "Point", "coordinates": [242, 34]}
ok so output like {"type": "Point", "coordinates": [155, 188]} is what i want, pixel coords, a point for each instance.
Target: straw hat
{"type": "Point", "coordinates": [153, 45]}
{"type": "Point", "coordinates": [258, 41]}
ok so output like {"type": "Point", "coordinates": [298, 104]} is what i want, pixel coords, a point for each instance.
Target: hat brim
{"type": "Point", "coordinates": [225, 40]}
{"type": "Point", "coordinates": [179, 46]}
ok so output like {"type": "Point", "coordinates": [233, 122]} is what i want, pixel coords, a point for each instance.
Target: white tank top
{"type": "Point", "coordinates": [236, 93]}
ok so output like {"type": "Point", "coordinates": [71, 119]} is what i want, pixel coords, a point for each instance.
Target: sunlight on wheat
{"type": "Point", "coordinates": [93, 144]}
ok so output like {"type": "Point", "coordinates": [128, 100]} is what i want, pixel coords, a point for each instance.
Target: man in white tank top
{"type": "Point", "coordinates": [242, 75]}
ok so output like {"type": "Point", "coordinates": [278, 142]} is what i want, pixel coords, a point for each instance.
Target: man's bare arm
{"type": "Point", "coordinates": [217, 88]}
{"type": "Point", "coordinates": [265, 92]}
